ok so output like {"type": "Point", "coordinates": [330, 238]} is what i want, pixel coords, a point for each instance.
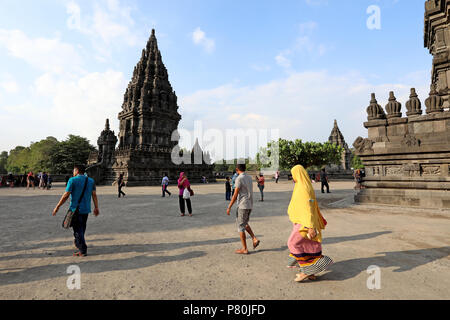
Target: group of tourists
{"type": "Point", "coordinates": [43, 180]}
{"type": "Point", "coordinates": [304, 242]}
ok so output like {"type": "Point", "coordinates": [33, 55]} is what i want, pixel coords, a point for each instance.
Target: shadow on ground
{"type": "Point", "coordinates": [402, 260]}
{"type": "Point", "coordinates": [98, 266]}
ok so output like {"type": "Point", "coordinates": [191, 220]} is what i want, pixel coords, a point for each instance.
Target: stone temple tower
{"type": "Point", "coordinates": [148, 123]}
{"type": "Point", "coordinates": [437, 40]}
{"type": "Point", "coordinates": [149, 111]}
{"type": "Point", "coordinates": [337, 138]}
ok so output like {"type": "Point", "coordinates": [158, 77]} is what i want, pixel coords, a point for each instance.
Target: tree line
{"type": "Point", "coordinates": [58, 157]}
{"type": "Point", "coordinates": [47, 155]}
{"type": "Point", "coordinates": [311, 155]}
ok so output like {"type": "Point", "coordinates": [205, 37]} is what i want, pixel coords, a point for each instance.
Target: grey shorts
{"type": "Point", "coordinates": [242, 218]}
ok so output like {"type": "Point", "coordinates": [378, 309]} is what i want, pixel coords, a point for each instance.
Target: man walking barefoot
{"type": "Point", "coordinates": [244, 196]}
{"type": "Point", "coordinates": [74, 189]}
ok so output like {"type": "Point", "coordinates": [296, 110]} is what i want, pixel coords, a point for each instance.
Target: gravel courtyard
{"type": "Point", "coordinates": [140, 248]}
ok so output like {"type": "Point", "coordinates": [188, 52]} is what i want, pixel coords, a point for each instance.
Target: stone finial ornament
{"type": "Point", "coordinates": [393, 108]}
{"type": "Point", "coordinates": [434, 102]}
{"type": "Point", "coordinates": [413, 105]}
{"type": "Point", "coordinates": [374, 110]}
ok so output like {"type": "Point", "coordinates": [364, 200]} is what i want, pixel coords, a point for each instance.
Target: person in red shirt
{"type": "Point", "coordinates": [260, 181]}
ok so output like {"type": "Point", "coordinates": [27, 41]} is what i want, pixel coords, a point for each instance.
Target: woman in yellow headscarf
{"type": "Point", "coordinates": [305, 241]}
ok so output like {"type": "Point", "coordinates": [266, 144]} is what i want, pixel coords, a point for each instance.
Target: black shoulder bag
{"type": "Point", "coordinates": [68, 219]}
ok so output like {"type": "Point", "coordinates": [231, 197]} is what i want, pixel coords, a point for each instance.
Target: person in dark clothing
{"type": "Point", "coordinates": [45, 178]}
{"type": "Point", "coordinates": [324, 180]}
{"type": "Point", "coordinates": [11, 180]}
{"type": "Point", "coordinates": [228, 189]}
{"type": "Point", "coordinates": [120, 184]}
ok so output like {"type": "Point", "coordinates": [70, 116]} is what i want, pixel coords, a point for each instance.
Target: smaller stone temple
{"type": "Point", "coordinates": [342, 170]}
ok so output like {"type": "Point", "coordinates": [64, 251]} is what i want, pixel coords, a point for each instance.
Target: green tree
{"type": "Point", "coordinates": [308, 154]}
{"type": "Point", "coordinates": [3, 162]}
{"type": "Point", "coordinates": [40, 153]}
{"type": "Point", "coordinates": [356, 162]}
{"type": "Point", "coordinates": [65, 154]}
{"type": "Point", "coordinates": [18, 160]}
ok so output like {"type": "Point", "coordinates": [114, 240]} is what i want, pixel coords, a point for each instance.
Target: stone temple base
{"type": "Point", "coordinates": [438, 199]}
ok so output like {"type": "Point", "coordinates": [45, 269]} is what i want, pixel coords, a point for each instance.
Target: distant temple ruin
{"type": "Point", "coordinates": [407, 158]}
{"type": "Point", "coordinates": [342, 170]}
{"type": "Point", "coordinates": [148, 121]}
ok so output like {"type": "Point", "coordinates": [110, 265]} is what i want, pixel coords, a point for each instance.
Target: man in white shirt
{"type": "Point", "coordinates": [164, 184]}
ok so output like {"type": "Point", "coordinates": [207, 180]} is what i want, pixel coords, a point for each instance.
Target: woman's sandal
{"type": "Point", "coordinates": [301, 278]}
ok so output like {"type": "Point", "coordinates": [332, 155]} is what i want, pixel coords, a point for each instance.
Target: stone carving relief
{"type": "Point", "coordinates": [431, 170]}
{"type": "Point", "coordinates": [411, 141]}
{"type": "Point", "coordinates": [411, 170]}
{"type": "Point", "coordinates": [394, 171]}
{"type": "Point", "coordinates": [363, 145]}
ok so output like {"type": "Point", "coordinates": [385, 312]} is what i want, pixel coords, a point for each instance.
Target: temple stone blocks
{"type": "Point", "coordinates": [407, 158]}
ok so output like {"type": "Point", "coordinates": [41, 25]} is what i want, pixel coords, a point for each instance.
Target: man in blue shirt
{"type": "Point", "coordinates": [74, 189]}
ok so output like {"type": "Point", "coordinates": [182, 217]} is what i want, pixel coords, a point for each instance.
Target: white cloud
{"type": "Point", "coordinates": [49, 55]}
{"type": "Point", "coordinates": [80, 106]}
{"type": "Point", "coordinates": [316, 2]}
{"type": "Point", "coordinates": [9, 86]}
{"type": "Point", "coordinates": [199, 38]}
{"type": "Point", "coordinates": [282, 59]}
{"type": "Point", "coordinates": [303, 44]}
{"type": "Point", "coordinates": [261, 67]}
{"type": "Point", "coordinates": [108, 24]}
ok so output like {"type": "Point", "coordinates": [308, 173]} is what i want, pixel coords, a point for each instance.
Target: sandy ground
{"type": "Point", "coordinates": [140, 248]}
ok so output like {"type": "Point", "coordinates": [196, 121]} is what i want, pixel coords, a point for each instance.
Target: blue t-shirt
{"type": "Point", "coordinates": [75, 187]}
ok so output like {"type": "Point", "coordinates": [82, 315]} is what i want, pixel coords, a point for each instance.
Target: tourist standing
{"type": "Point", "coordinates": [41, 180]}
{"type": "Point", "coordinates": [305, 241]}
{"type": "Point", "coordinates": [183, 184]}
{"type": "Point", "coordinates": [164, 185]}
{"type": "Point", "coordinates": [74, 189]}
{"type": "Point", "coordinates": [30, 180]}
{"type": "Point", "coordinates": [49, 181]}
{"type": "Point", "coordinates": [277, 176]}
{"type": "Point", "coordinates": [244, 196]}
{"type": "Point", "coordinates": [324, 180]}
{"type": "Point", "coordinates": [120, 184]}
{"type": "Point", "coordinates": [227, 189]}
{"type": "Point", "coordinates": [45, 179]}
{"type": "Point", "coordinates": [358, 179]}
{"type": "Point", "coordinates": [11, 180]}
{"type": "Point", "coordinates": [260, 181]}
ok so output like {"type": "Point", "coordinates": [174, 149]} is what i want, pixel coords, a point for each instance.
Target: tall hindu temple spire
{"type": "Point", "coordinates": [149, 110]}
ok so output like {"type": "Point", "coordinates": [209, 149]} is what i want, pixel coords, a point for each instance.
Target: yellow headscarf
{"type": "Point", "coordinates": [303, 208]}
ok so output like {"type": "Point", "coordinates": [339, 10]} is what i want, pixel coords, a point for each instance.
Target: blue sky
{"type": "Point", "coordinates": [292, 65]}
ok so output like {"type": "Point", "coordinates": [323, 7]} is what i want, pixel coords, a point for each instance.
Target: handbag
{"type": "Point", "coordinates": [68, 219]}
{"type": "Point", "coordinates": [186, 194]}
